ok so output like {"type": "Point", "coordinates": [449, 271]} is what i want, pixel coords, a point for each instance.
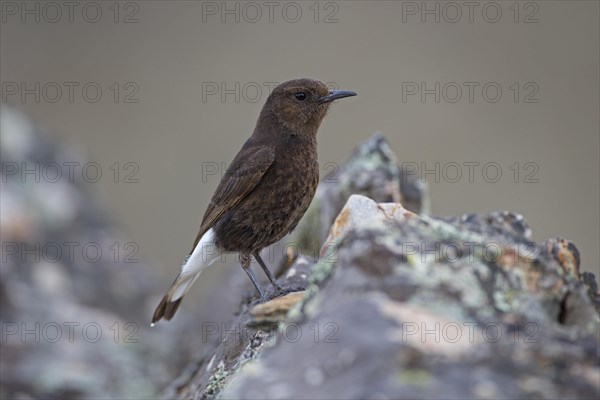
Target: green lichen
{"type": "Point", "coordinates": [217, 381]}
{"type": "Point", "coordinates": [323, 269]}
{"type": "Point", "coordinates": [505, 297]}
{"type": "Point", "coordinates": [417, 377]}
{"type": "Point", "coordinates": [319, 273]}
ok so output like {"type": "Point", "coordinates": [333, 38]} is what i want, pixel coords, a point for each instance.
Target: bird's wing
{"type": "Point", "coordinates": [242, 176]}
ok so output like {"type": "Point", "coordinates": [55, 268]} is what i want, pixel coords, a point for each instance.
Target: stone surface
{"type": "Point", "coordinates": [275, 310]}
{"type": "Point", "coordinates": [426, 308]}
{"type": "Point", "coordinates": [231, 346]}
{"type": "Point", "coordinates": [371, 170]}
{"type": "Point", "coordinates": [401, 305]}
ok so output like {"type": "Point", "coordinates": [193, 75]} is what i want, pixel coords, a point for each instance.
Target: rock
{"type": "Point", "coordinates": [427, 308]}
{"type": "Point", "coordinates": [275, 310]}
{"type": "Point", "coordinates": [565, 253]}
{"type": "Point", "coordinates": [402, 305]}
{"type": "Point", "coordinates": [371, 170]}
{"type": "Point", "coordinates": [361, 211]}
{"type": "Point", "coordinates": [231, 346]}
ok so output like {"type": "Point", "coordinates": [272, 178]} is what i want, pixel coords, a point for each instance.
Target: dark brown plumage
{"type": "Point", "coordinates": [266, 189]}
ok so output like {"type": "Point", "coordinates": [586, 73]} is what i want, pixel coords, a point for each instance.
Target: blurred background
{"type": "Point", "coordinates": [495, 104]}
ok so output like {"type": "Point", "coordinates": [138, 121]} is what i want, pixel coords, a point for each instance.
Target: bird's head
{"type": "Point", "coordinates": [301, 104]}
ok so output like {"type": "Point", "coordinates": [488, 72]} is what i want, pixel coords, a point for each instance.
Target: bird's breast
{"type": "Point", "coordinates": [276, 204]}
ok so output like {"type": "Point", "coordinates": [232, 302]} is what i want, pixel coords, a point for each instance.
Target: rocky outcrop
{"type": "Point", "coordinates": [371, 170]}
{"type": "Point", "coordinates": [402, 305]}
{"type": "Point", "coordinates": [394, 303]}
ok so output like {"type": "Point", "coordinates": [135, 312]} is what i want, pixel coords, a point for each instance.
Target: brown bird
{"type": "Point", "coordinates": [266, 189]}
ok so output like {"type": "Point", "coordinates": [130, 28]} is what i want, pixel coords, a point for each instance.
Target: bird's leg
{"type": "Point", "coordinates": [245, 262]}
{"type": "Point", "coordinates": [269, 274]}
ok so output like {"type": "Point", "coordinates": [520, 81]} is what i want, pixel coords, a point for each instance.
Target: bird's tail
{"type": "Point", "coordinates": [172, 300]}
{"type": "Point", "coordinates": [204, 254]}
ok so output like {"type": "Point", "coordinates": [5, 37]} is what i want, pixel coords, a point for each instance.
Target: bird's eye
{"type": "Point", "coordinates": [300, 96]}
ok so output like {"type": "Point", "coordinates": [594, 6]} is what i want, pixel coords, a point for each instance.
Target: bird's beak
{"type": "Point", "coordinates": [336, 94]}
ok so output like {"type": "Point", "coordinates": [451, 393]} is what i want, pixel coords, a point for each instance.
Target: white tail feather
{"type": "Point", "coordinates": [205, 253]}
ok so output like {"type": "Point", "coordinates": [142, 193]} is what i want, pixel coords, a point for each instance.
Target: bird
{"type": "Point", "coordinates": [266, 189]}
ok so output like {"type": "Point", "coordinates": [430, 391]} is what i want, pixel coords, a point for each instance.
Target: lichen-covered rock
{"type": "Point", "coordinates": [402, 305]}
{"type": "Point", "coordinates": [371, 170]}
{"type": "Point", "coordinates": [232, 346]}
{"type": "Point", "coordinates": [427, 308]}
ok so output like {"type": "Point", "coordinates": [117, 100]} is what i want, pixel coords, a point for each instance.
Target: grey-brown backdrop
{"type": "Point", "coordinates": [182, 83]}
